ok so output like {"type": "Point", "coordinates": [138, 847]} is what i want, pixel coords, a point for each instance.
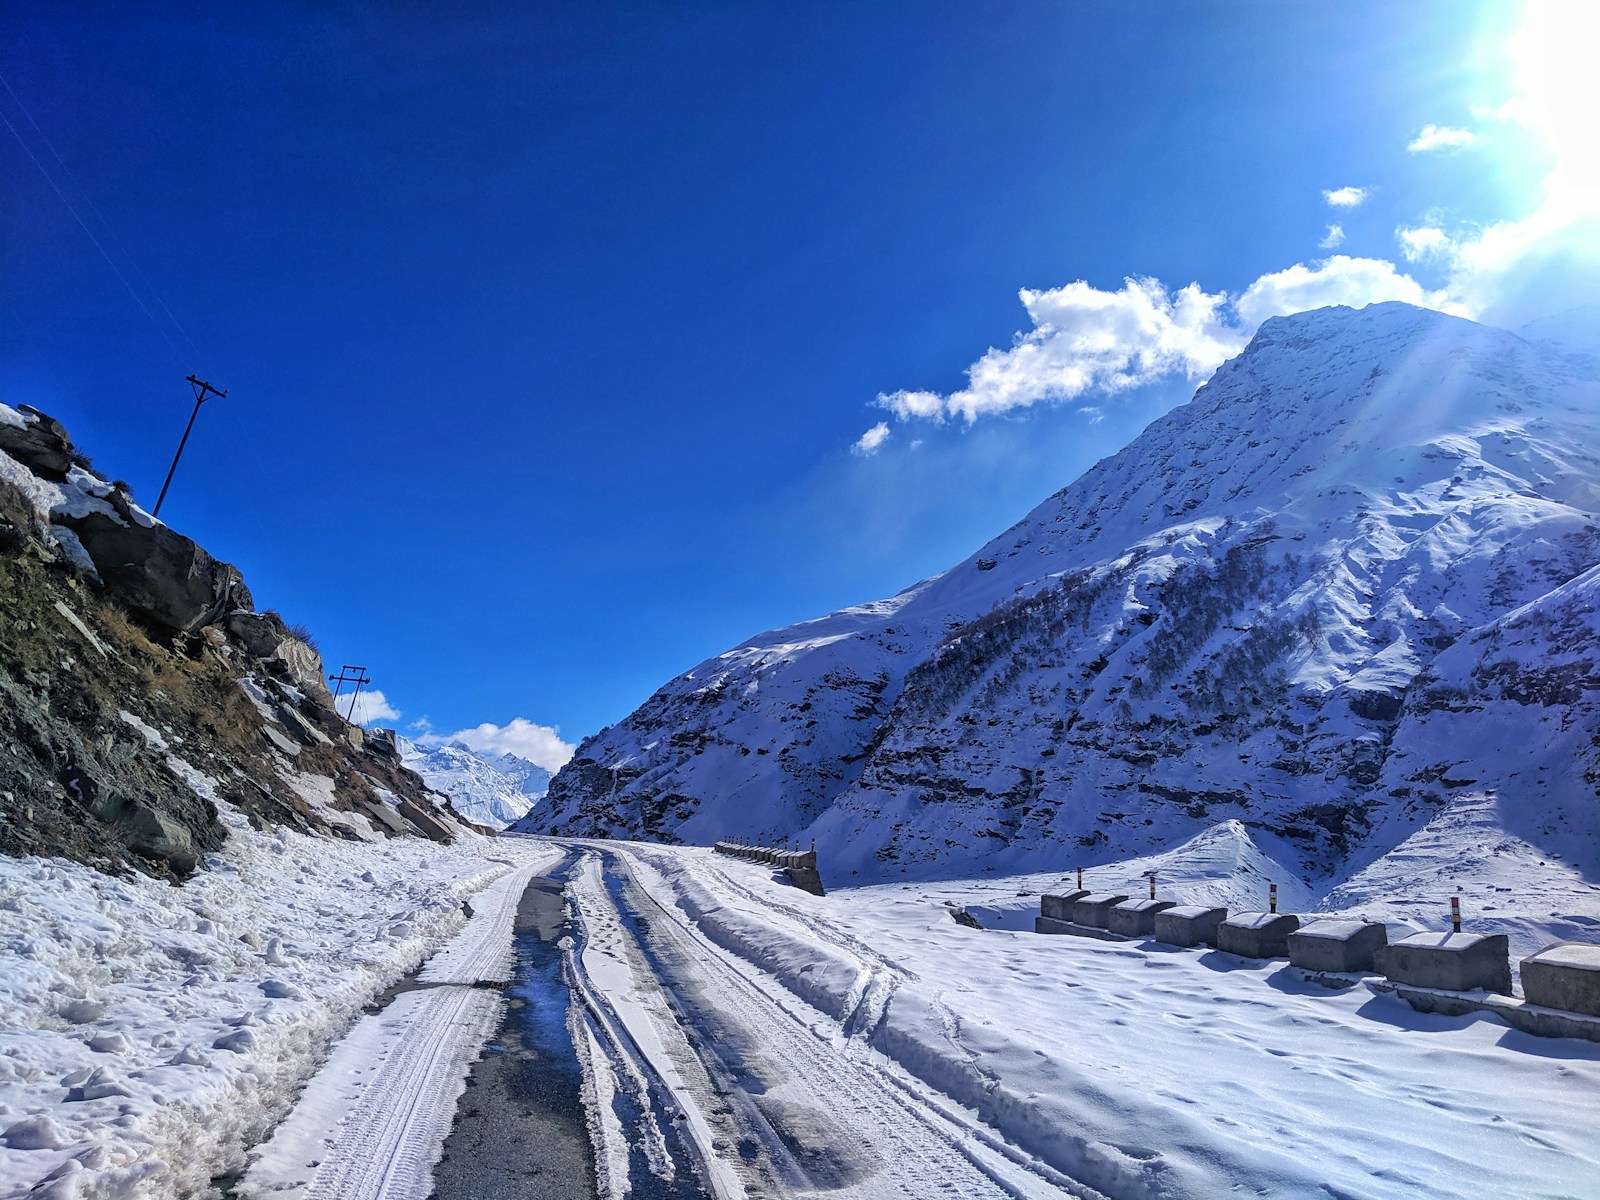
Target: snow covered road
{"type": "Point", "coordinates": [374, 1119]}
{"type": "Point", "coordinates": [779, 1097]}
{"type": "Point", "coordinates": [741, 1039]}
{"type": "Point", "coordinates": [866, 1045]}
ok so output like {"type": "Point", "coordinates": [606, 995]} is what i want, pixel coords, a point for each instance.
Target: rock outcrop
{"type": "Point", "coordinates": [140, 690]}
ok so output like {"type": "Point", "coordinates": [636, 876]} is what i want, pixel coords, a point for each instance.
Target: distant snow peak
{"type": "Point", "coordinates": [488, 789]}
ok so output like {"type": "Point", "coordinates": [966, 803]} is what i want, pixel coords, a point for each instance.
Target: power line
{"type": "Point", "coordinates": [133, 264]}
{"type": "Point", "coordinates": [88, 232]}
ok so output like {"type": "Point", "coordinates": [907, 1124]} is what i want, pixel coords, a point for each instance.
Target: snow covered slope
{"type": "Point", "coordinates": [492, 791]}
{"type": "Point", "coordinates": [1324, 599]}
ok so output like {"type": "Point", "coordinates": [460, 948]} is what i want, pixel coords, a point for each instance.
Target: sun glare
{"type": "Point", "coordinates": [1554, 53]}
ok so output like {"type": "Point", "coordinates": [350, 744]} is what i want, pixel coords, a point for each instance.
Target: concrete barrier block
{"type": "Point", "coordinates": [806, 879]}
{"type": "Point", "coordinates": [1136, 918]}
{"type": "Point", "coordinates": [1052, 925]}
{"type": "Point", "coordinates": [1337, 945]}
{"type": "Point", "coordinates": [1458, 962]}
{"type": "Point", "coordinates": [1566, 976]}
{"type": "Point", "coordinates": [1093, 909]}
{"type": "Point", "coordinates": [1189, 925]}
{"type": "Point", "coordinates": [1257, 934]}
{"type": "Point", "coordinates": [1059, 907]}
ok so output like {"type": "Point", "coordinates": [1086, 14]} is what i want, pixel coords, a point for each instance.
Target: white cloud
{"type": "Point", "coordinates": [1094, 412]}
{"type": "Point", "coordinates": [370, 706]}
{"type": "Point", "coordinates": [867, 444]}
{"type": "Point", "coordinates": [539, 744]}
{"type": "Point", "coordinates": [1088, 340]}
{"type": "Point", "coordinates": [913, 404]}
{"type": "Point", "coordinates": [1441, 137]}
{"type": "Point", "coordinates": [1355, 282]}
{"type": "Point", "coordinates": [1423, 242]}
{"type": "Point", "coordinates": [1346, 197]}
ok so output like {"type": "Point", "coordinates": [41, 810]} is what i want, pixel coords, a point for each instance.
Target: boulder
{"type": "Point", "coordinates": [260, 634]}
{"type": "Point", "coordinates": [42, 445]}
{"type": "Point", "coordinates": [162, 576]}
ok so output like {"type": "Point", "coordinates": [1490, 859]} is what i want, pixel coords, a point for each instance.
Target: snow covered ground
{"type": "Point", "coordinates": [871, 1046]}
{"type": "Point", "coordinates": [150, 1034]}
{"type": "Point", "coordinates": [741, 1038]}
{"type": "Point", "coordinates": [374, 1119]}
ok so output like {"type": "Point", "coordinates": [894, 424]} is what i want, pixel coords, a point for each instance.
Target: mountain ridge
{"type": "Point", "coordinates": [1338, 504]}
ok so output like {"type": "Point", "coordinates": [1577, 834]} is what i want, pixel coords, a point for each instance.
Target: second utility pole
{"type": "Point", "coordinates": [201, 390]}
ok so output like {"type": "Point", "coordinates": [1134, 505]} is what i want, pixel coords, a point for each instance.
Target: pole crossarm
{"type": "Point", "coordinates": [349, 674]}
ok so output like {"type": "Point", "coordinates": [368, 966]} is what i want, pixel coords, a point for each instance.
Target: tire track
{"type": "Point", "coordinates": [373, 1121]}
{"type": "Point", "coordinates": [804, 1116]}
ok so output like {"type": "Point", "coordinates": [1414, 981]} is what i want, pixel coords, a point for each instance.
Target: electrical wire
{"type": "Point", "coordinates": [106, 225]}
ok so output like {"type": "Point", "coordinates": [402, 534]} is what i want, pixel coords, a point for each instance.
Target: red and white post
{"type": "Point", "coordinates": [1455, 913]}
{"type": "Point", "coordinates": [1272, 898]}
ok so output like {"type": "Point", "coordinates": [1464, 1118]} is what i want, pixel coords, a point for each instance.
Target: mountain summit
{"type": "Point", "coordinates": [1346, 585]}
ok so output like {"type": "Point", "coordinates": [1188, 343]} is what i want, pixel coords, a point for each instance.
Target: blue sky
{"type": "Point", "coordinates": [571, 343]}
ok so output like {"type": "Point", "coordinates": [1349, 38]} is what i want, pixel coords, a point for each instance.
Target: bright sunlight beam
{"type": "Point", "coordinates": [1554, 55]}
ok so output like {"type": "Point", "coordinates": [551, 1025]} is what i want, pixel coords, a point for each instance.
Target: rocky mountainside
{"type": "Point", "coordinates": [139, 687]}
{"type": "Point", "coordinates": [1346, 585]}
{"type": "Point", "coordinates": [490, 789]}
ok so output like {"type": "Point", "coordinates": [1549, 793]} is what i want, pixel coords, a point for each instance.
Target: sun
{"type": "Point", "coordinates": [1556, 77]}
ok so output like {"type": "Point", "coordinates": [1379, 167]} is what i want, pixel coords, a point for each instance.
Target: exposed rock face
{"type": "Point", "coordinates": [38, 443]}
{"type": "Point", "coordinates": [139, 690]}
{"type": "Point", "coordinates": [1239, 618]}
{"type": "Point", "coordinates": [163, 576]}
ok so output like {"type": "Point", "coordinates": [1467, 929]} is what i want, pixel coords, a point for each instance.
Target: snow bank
{"type": "Point", "coordinates": [1150, 1071]}
{"type": "Point", "coordinates": [149, 1033]}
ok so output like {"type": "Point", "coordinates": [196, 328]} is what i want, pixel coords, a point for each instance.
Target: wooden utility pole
{"type": "Point", "coordinates": [348, 674]}
{"type": "Point", "coordinates": [202, 389]}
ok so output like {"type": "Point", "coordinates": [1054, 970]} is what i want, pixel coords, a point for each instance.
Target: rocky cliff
{"type": "Point", "coordinates": [139, 687]}
{"type": "Point", "coordinates": [1319, 600]}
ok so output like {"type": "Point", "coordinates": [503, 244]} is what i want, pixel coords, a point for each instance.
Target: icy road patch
{"type": "Point", "coordinates": [374, 1119]}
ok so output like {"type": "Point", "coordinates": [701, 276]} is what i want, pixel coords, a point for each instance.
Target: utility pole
{"type": "Point", "coordinates": [348, 674]}
{"type": "Point", "coordinates": [202, 389]}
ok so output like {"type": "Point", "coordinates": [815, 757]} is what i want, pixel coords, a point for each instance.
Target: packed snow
{"type": "Point", "coordinates": [1126, 1069]}
{"type": "Point", "coordinates": [149, 1034]}
{"type": "Point", "coordinates": [374, 1119]}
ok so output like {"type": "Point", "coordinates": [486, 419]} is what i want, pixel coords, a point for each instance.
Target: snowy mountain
{"type": "Point", "coordinates": [492, 790]}
{"type": "Point", "coordinates": [1335, 594]}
